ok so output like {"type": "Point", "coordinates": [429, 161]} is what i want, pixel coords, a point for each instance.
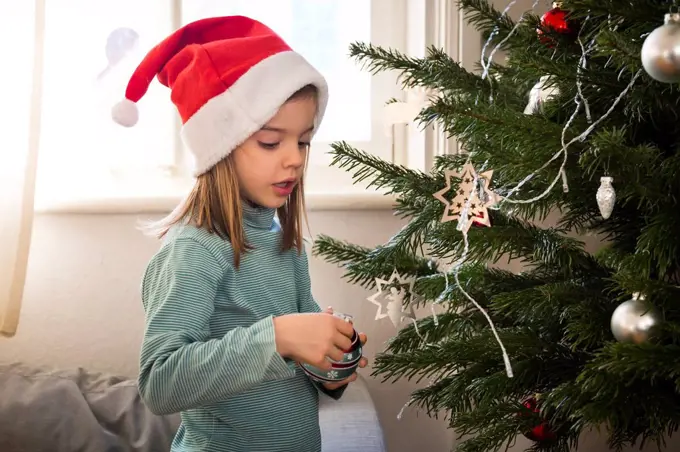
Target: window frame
{"type": "Point", "coordinates": [428, 22]}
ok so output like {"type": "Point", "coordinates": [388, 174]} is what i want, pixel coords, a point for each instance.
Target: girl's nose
{"type": "Point", "coordinates": [294, 156]}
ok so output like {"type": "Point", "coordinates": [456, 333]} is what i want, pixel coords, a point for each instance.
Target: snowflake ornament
{"type": "Point", "coordinates": [332, 374]}
{"type": "Point", "coordinates": [394, 290]}
{"type": "Point", "coordinates": [476, 196]}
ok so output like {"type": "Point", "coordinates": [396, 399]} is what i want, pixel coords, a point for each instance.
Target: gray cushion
{"type": "Point", "coordinates": [76, 411]}
{"type": "Point", "coordinates": [351, 423]}
{"type": "Point", "coordinates": [79, 411]}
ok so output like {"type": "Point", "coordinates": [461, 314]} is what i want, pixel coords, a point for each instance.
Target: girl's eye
{"type": "Point", "coordinates": [268, 145]}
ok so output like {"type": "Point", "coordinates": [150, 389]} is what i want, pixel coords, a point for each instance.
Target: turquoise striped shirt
{"type": "Point", "coordinates": [209, 347]}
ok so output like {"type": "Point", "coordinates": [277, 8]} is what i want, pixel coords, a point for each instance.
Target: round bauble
{"type": "Point", "coordinates": [340, 370]}
{"type": "Point", "coordinates": [555, 20]}
{"type": "Point", "coordinates": [353, 353]}
{"type": "Point", "coordinates": [661, 51]}
{"type": "Point", "coordinates": [542, 432]}
{"type": "Point", "coordinates": [345, 367]}
{"type": "Point", "coordinates": [635, 321]}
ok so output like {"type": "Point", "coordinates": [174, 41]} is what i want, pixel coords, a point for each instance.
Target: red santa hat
{"type": "Point", "coordinates": [228, 77]}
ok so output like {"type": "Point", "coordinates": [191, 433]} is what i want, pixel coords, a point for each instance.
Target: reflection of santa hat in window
{"type": "Point", "coordinates": [228, 76]}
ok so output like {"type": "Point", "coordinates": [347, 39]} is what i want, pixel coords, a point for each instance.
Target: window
{"type": "Point", "coordinates": [91, 48]}
{"type": "Point", "coordinates": [322, 32]}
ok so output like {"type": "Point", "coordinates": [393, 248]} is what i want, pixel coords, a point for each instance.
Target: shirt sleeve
{"type": "Point", "coordinates": [181, 366]}
{"type": "Point", "coordinates": [306, 303]}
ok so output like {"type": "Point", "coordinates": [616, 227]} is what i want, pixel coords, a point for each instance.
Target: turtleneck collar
{"type": "Point", "coordinates": [258, 217]}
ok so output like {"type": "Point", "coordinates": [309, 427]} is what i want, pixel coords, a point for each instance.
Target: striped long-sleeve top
{"type": "Point", "coordinates": [209, 346]}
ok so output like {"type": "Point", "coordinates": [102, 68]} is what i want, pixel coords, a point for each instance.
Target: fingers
{"type": "Point", "coordinates": [323, 364]}
{"type": "Point", "coordinates": [342, 342]}
{"type": "Point", "coordinates": [363, 362]}
{"type": "Point", "coordinates": [336, 354]}
{"type": "Point", "coordinates": [332, 386]}
{"type": "Point", "coordinates": [343, 327]}
{"type": "Point", "coordinates": [329, 310]}
{"type": "Point", "coordinates": [362, 338]}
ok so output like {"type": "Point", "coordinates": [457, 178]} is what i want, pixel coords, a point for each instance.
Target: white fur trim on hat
{"type": "Point", "coordinates": [125, 113]}
{"type": "Point", "coordinates": [228, 119]}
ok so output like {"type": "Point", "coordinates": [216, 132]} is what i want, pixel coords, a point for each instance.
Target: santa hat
{"type": "Point", "coordinates": [228, 77]}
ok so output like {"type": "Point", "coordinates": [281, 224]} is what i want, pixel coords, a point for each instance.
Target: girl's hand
{"type": "Point", "coordinates": [310, 338]}
{"type": "Point", "coordinates": [363, 362]}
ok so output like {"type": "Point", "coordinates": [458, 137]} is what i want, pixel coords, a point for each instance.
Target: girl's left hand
{"type": "Point", "coordinates": [362, 363]}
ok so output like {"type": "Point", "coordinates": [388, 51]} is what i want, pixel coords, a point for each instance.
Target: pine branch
{"type": "Point", "coordinates": [639, 165]}
{"type": "Point", "coordinates": [618, 48]}
{"type": "Point", "coordinates": [657, 238]}
{"type": "Point", "coordinates": [487, 281]}
{"type": "Point", "coordinates": [648, 12]}
{"type": "Point", "coordinates": [496, 435]}
{"type": "Point", "coordinates": [437, 71]}
{"type": "Point", "coordinates": [482, 15]}
{"type": "Point", "coordinates": [493, 24]}
{"type": "Point", "coordinates": [442, 238]}
{"type": "Point", "coordinates": [493, 425]}
{"type": "Point", "coordinates": [511, 143]}
{"type": "Point", "coordinates": [435, 330]}
{"type": "Point", "coordinates": [379, 173]}
{"type": "Point", "coordinates": [361, 268]}
{"type": "Point", "coordinates": [515, 239]}
{"type": "Point", "coordinates": [626, 387]}
{"type": "Point", "coordinates": [476, 361]}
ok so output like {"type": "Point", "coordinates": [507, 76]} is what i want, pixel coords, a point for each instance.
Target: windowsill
{"type": "Point", "coordinates": [316, 201]}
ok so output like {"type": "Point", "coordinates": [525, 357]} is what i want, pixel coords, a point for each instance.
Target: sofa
{"type": "Point", "coordinates": [78, 410]}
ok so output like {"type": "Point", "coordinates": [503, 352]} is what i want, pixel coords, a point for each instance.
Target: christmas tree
{"type": "Point", "coordinates": [580, 122]}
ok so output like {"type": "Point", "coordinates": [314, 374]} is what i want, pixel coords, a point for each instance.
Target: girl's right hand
{"type": "Point", "coordinates": [312, 337]}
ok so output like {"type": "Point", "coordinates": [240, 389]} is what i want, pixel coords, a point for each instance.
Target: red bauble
{"type": "Point", "coordinates": [541, 432]}
{"type": "Point", "coordinates": [556, 20]}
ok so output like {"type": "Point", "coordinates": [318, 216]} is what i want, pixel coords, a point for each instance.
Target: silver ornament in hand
{"type": "Point", "coordinates": [635, 321]}
{"type": "Point", "coordinates": [661, 51]}
{"type": "Point", "coordinates": [606, 197]}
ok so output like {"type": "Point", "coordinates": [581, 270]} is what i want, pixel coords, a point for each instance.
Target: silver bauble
{"type": "Point", "coordinates": [635, 321]}
{"type": "Point", "coordinates": [606, 197]}
{"type": "Point", "coordinates": [661, 51]}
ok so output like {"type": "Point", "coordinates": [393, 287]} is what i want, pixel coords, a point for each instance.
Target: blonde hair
{"type": "Point", "coordinates": [214, 204]}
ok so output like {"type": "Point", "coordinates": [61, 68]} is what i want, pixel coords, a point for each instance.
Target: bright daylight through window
{"type": "Point", "coordinates": [91, 49]}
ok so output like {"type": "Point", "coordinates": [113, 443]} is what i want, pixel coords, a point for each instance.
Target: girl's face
{"type": "Point", "coordinates": [271, 162]}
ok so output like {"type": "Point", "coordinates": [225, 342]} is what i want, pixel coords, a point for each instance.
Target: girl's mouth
{"type": "Point", "coordinates": [284, 188]}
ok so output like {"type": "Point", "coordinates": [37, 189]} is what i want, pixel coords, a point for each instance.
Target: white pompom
{"type": "Point", "coordinates": [125, 113]}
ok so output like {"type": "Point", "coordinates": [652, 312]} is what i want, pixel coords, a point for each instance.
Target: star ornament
{"type": "Point", "coordinates": [480, 197]}
{"type": "Point", "coordinates": [394, 289]}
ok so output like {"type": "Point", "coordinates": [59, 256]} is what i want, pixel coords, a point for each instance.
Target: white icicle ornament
{"type": "Point", "coordinates": [606, 196]}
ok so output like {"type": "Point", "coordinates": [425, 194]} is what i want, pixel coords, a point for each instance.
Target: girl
{"type": "Point", "coordinates": [229, 311]}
